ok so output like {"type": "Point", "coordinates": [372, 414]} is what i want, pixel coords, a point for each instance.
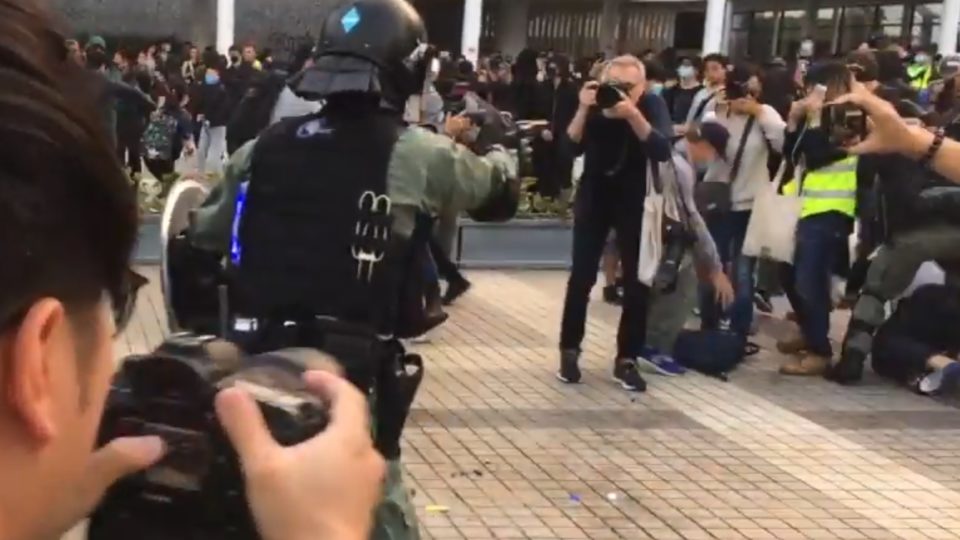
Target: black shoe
{"type": "Point", "coordinates": [611, 295]}
{"type": "Point", "coordinates": [569, 366]}
{"type": "Point", "coordinates": [626, 373]}
{"type": "Point", "coordinates": [455, 289]}
{"type": "Point", "coordinates": [849, 370]}
{"type": "Point", "coordinates": [761, 299]}
{"type": "Point", "coordinates": [431, 320]}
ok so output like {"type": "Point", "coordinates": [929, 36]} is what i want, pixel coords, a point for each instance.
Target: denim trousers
{"type": "Point", "coordinates": [820, 241]}
{"type": "Point", "coordinates": [728, 231]}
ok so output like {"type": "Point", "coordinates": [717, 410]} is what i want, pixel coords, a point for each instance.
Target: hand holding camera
{"type": "Point", "coordinates": [588, 94]}
{"type": "Point", "coordinates": [888, 133]}
{"type": "Point", "coordinates": [253, 448]}
{"type": "Point", "coordinates": [291, 494]}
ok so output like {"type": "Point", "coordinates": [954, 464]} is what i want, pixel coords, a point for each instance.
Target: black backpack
{"type": "Point", "coordinates": [254, 111]}
{"type": "Point", "coordinates": [712, 352]}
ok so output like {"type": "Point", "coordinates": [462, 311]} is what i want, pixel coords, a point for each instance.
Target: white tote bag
{"type": "Point", "coordinates": [651, 237]}
{"type": "Point", "coordinates": [772, 232]}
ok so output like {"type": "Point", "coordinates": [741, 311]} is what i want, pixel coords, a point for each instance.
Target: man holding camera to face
{"type": "Point", "coordinates": [828, 185]}
{"type": "Point", "coordinates": [614, 129]}
{"type": "Point", "coordinates": [68, 224]}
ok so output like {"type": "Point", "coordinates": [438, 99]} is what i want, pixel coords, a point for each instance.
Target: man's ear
{"type": "Point", "coordinates": [28, 353]}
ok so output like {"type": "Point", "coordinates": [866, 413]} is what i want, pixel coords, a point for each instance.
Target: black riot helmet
{"type": "Point", "coordinates": [373, 47]}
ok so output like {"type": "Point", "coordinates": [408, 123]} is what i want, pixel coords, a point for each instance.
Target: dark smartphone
{"type": "Point", "coordinates": [843, 123]}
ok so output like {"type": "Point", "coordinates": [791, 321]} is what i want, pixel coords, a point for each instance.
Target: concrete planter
{"type": "Point", "coordinates": [148, 243]}
{"type": "Point", "coordinates": [521, 243]}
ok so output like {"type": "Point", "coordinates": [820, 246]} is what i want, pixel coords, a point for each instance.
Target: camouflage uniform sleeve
{"type": "Point", "coordinates": [214, 220]}
{"type": "Point", "coordinates": [436, 175]}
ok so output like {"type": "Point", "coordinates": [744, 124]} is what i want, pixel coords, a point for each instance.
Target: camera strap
{"type": "Point", "coordinates": [738, 158]}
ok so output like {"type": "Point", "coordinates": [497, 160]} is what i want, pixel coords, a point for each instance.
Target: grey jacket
{"type": "Point", "coordinates": [678, 180]}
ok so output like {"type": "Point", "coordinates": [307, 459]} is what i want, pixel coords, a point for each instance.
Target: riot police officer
{"type": "Point", "coordinates": [316, 217]}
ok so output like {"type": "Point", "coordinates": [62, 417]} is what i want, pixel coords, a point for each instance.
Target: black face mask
{"type": "Point", "coordinates": [552, 71]}
{"type": "Point", "coordinates": [235, 59]}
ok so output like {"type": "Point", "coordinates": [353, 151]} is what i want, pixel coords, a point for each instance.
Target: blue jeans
{"type": "Point", "coordinates": [729, 231]}
{"type": "Point", "coordinates": [820, 241]}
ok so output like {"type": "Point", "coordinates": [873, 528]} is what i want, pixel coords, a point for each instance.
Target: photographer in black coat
{"type": "Point", "coordinates": [618, 138]}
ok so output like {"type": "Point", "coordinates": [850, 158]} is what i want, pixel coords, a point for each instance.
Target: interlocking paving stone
{"type": "Point", "coordinates": [515, 454]}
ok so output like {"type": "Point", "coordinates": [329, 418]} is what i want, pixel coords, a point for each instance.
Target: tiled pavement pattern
{"type": "Point", "coordinates": [511, 453]}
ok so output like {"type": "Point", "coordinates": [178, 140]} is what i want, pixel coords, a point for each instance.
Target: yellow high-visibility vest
{"type": "Point", "coordinates": [920, 76]}
{"type": "Point", "coordinates": [828, 189]}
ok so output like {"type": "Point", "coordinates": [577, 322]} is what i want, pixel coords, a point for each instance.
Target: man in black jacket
{"type": "Point", "coordinates": [557, 103]}
{"type": "Point", "coordinates": [617, 143]}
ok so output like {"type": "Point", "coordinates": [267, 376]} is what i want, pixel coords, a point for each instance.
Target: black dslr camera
{"type": "Point", "coordinates": [677, 238]}
{"type": "Point", "coordinates": [197, 490]}
{"type": "Point", "coordinates": [609, 94]}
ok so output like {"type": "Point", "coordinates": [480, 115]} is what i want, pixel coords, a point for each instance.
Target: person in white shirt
{"type": "Point", "coordinates": [756, 130]}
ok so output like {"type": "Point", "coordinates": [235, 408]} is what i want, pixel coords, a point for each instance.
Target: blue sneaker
{"type": "Point", "coordinates": [661, 364]}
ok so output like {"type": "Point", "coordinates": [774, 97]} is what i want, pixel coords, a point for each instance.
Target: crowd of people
{"type": "Point", "coordinates": [740, 127]}
{"type": "Point", "coordinates": [173, 99]}
{"type": "Point", "coordinates": [705, 135]}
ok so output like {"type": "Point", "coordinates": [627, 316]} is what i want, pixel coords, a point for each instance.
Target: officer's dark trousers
{"type": "Point", "coordinates": [589, 238]}
{"type": "Point", "coordinates": [891, 272]}
{"type": "Point", "coordinates": [820, 240]}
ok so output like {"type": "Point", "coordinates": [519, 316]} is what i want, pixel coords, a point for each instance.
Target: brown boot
{"type": "Point", "coordinates": [791, 366]}
{"type": "Point", "coordinates": [811, 366]}
{"type": "Point", "coordinates": [793, 345]}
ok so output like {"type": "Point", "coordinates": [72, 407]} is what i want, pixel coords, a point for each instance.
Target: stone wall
{"type": "Point", "coordinates": [278, 24]}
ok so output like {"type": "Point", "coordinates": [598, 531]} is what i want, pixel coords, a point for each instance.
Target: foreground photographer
{"type": "Point", "coordinates": [615, 129]}
{"type": "Point", "coordinates": [68, 223]}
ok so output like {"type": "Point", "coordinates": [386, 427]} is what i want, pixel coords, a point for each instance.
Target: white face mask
{"type": "Point", "coordinates": [686, 72]}
{"type": "Point", "coordinates": [806, 49]}
{"type": "Point", "coordinates": [921, 59]}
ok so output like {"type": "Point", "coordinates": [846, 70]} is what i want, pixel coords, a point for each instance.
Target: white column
{"type": "Point", "coordinates": [713, 28]}
{"type": "Point", "coordinates": [472, 26]}
{"type": "Point", "coordinates": [609, 27]}
{"type": "Point", "coordinates": [512, 19]}
{"type": "Point", "coordinates": [225, 25]}
{"type": "Point", "coordinates": [949, 24]}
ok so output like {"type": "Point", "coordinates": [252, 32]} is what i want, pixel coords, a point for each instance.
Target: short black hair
{"type": "Point", "coordinates": [655, 70]}
{"type": "Point", "coordinates": [716, 57]}
{"type": "Point", "coordinates": [68, 214]}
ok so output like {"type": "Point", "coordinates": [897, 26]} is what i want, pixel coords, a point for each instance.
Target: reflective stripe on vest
{"type": "Point", "coordinates": [920, 76]}
{"type": "Point", "coordinates": [829, 189]}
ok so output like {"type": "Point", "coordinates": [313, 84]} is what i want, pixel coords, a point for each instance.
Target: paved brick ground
{"type": "Point", "coordinates": [513, 454]}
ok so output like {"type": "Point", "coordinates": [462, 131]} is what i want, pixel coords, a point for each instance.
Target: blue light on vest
{"type": "Point", "coordinates": [236, 250]}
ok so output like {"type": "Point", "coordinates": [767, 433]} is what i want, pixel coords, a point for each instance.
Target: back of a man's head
{"type": "Point", "coordinates": [68, 217]}
{"type": "Point", "coordinates": [68, 222]}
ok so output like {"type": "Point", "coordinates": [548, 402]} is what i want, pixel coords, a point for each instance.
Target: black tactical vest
{"type": "Point", "coordinates": [312, 234]}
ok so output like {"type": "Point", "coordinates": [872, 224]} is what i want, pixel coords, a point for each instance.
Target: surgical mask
{"type": "Point", "coordinates": [806, 49]}
{"type": "Point", "coordinates": [922, 59]}
{"type": "Point", "coordinates": [656, 89]}
{"type": "Point", "coordinates": [686, 72]}
{"type": "Point", "coordinates": [211, 78]}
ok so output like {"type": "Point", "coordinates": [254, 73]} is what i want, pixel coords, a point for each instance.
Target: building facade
{"type": "Point", "coordinates": [755, 28]}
